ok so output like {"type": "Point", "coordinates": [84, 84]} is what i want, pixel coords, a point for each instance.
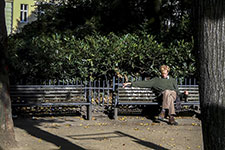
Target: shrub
{"type": "Point", "coordinates": [62, 56]}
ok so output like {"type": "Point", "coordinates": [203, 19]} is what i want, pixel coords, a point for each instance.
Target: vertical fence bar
{"type": "Point", "coordinates": [89, 107]}
{"type": "Point", "coordinates": [94, 90]}
{"type": "Point", "coordinates": [103, 93]}
{"type": "Point", "coordinates": [185, 81]}
{"type": "Point", "coordinates": [180, 80]}
{"type": "Point", "coordinates": [108, 93]}
{"type": "Point", "coordinates": [113, 90]}
{"type": "Point", "coordinates": [72, 82]}
{"type": "Point", "coordinates": [99, 86]}
{"type": "Point", "coordinates": [114, 83]}
{"type": "Point", "coordinates": [85, 89]}
{"type": "Point", "coordinates": [90, 91]}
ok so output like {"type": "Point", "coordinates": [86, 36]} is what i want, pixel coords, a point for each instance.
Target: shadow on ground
{"type": "Point", "coordinates": [152, 111]}
{"type": "Point", "coordinates": [116, 134]}
{"type": "Point", "coordinates": [32, 129]}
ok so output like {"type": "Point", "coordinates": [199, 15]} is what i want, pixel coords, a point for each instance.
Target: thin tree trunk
{"type": "Point", "coordinates": [210, 46]}
{"type": "Point", "coordinates": [7, 136]}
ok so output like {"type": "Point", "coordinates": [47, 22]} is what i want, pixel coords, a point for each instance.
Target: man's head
{"type": "Point", "coordinates": [164, 71]}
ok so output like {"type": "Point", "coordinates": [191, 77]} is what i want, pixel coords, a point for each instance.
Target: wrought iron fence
{"type": "Point", "coordinates": [100, 92]}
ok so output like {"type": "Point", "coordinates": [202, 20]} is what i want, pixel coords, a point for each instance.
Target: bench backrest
{"type": "Point", "coordinates": [34, 94]}
{"type": "Point", "coordinates": [135, 94]}
{"type": "Point", "coordinates": [193, 91]}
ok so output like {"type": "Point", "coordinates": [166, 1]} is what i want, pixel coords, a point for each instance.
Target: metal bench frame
{"type": "Point", "coordinates": [51, 95]}
{"type": "Point", "coordinates": [145, 96]}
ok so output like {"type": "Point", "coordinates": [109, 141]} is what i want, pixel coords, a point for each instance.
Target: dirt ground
{"type": "Point", "coordinates": [101, 133]}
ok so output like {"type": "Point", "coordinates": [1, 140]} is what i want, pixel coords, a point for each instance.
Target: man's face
{"type": "Point", "coordinates": [164, 73]}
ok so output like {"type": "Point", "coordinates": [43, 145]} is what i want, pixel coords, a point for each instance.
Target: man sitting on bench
{"type": "Point", "coordinates": [164, 86]}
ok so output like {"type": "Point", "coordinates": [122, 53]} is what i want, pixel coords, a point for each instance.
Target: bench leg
{"type": "Point", "coordinates": [89, 112]}
{"type": "Point", "coordinates": [178, 104]}
{"type": "Point", "coordinates": [115, 113]}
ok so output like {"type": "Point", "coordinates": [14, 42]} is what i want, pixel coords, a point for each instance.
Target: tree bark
{"type": "Point", "coordinates": [209, 17]}
{"type": "Point", "coordinates": [7, 135]}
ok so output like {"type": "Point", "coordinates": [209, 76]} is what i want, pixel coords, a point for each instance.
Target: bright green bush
{"type": "Point", "coordinates": [59, 56]}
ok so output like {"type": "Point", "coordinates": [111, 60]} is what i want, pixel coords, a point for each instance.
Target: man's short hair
{"type": "Point", "coordinates": [164, 67]}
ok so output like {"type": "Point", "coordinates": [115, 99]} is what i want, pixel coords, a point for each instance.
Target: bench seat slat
{"type": "Point", "coordinates": [137, 94]}
{"type": "Point", "coordinates": [46, 95]}
{"type": "Point", "coordinates": [155, 103]}
{"type": "Point", "coordinates": [136, 98]}
{"type": "Point", "coordinates": [52, 104]}
{"type": "Point", "coordinates": [26, 90]}
{"type": "Point", "coordinates": [137, 103]}
{"type": "Point", "coordinates": [136, 89]}
{"type": "Point", "coordinates": [53, 98]}
{"type": "Point", "coordinates": [24, 96]}
{"type": "Point", "coordinates": [45, 91]}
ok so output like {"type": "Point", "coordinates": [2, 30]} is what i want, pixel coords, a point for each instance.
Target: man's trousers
{"type": "Point", "coordinates": [169, 97]}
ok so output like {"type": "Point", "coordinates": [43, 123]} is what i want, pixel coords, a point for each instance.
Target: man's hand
{"type": "Point", "coordinates": [126, 84]}
{"type": "Point", "coordinates": [186, 92]}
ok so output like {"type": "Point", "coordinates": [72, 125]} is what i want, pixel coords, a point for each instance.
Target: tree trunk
{"type": "Point", "coordinates": [7, 136]}
{"type": "Point", "coordinates": [210, 46]}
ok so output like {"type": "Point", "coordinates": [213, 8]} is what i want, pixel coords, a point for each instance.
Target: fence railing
{"type": "Point", "coordinates": [101, 92]}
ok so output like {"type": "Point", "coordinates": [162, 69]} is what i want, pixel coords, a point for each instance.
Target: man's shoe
{"type": "Point", "coordinates": [162, 115]}
{"type": "Point", "coordinates": [172, 121]}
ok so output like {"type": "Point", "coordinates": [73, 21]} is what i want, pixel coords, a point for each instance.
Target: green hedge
{"type": "Point", "coordinates": [60, 56]}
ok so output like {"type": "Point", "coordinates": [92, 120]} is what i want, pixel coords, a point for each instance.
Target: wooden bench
{"type": "Point", "coordinates": [145, 96]}
{"type": "Point", "coordinates": [50, 96]}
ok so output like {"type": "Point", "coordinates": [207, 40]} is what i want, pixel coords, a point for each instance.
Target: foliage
{"type": "Point", "coordinates": [110, 37]}
{"type": "Point", "coordinates": [58, 56]}
{"type": "Point", "coordinates": [85, 17]}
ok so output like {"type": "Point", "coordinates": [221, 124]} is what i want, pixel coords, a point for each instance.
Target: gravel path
{"type": "Point", "coordinates": [102, 133]}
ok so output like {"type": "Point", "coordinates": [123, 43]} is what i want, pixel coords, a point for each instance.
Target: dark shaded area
{"type": "Point", "coordinates": [32, 128]}
{"type": "Point", "coordinates": [47, 112]}
{"type": "Point", "coordinates": [165, 19]}
{"type": "Point", "coordinates": [144, 143]}
{"type": "Point", "coordinates": [213, 126]}
{"type": "Point", "coordinates": [116, 134]}
{"type": "Point", "coordinates": [96, 136]}
{"type": "Point", "coordinates": [190, 113]}
{"type": "Point", "coordinates": [152, 111]}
